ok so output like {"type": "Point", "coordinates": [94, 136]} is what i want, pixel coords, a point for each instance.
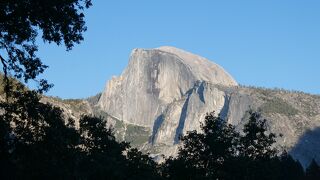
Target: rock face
{"type": "Point", "coordinates": [154, 79]}
{"type": "Point", "coordinates": [165, 92]}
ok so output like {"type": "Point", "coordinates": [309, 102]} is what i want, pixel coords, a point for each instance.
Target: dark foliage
{"type": "Point", "coordinates": [141, 166]}
{"type": "Point", "coordinates": [257, 143]}
{"type": "Point", "coordinates": [313, 171]}
{"type": "Point", "coordinates": [220, 152]}
{"type": "Point", "coordinates": [289, 168]}
{"type": "Point", "coordinates": [58, 21]}
{"type": "Point", "coordinates": [102, 155]}
{"type": "Point", "coordinates": [37, 142]}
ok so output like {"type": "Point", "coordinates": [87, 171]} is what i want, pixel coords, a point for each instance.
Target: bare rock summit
{"type": "Point", "coordinates": [154, 79]}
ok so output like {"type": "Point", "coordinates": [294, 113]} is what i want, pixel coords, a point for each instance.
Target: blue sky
{"type": "Point", "coordinates": [270, 43]}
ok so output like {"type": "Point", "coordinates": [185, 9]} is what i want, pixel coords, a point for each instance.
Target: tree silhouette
{"type": "Point", "coordinates": [257, 143]}
{"type": "Point", "coordinates": [290, 168]}
{"type": "Point", "coordinates": [220, 152]}
{"type": "Point", "coordinates": [257, 155]}
{"type": "Point", "coordinates": [141, 166]}
{"type": "Point", "coordinates": [205, 155]}
{"type": "Point", "coordinates": [5, 164]}
{"type": "Point", "coordinates": [42, 144]}
{"type": "Point", "coordinates": [34, 138]}
{"type": "Point", "coordinates": [40, 141]}
{"type": "Point", "coordinates": [36, 141]}
{"type": "Point", "coordinates": [105, 158]}
{"type": "Point", "coordinates": [102, 154]}
{"type": "Point", "coordinates": [58, 21]}
{"type": "Point", "coordinates": [313, 171]}
{"type": "Point", "coordinates": [20, 23]}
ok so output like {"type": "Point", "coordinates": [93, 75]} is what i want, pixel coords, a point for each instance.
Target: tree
{"type": "Point", "coordinates": [105, 158]}
{"type": "Point", "coordinates": [290, 168]}
{"type": "Point", "coordinates": [41, 143]}
{"type": "Point", "coordinates": [313, 171]}
{"type": "Point", "coordinates": [141, 166]}
{"type": "Point", "coordinates": [21, 21]}
{"type": "Point", "coordinates": [220, 152]}
{"type": "Point", "coordinates": [102, 155]}
{"type": "Point", "coordinates": [36, 141]}
{"type": "Point", "coordinates": [5, 165]}
{"type": "Point", "coordinates": [44, 145]}
{"type": "Point", "coordinates": [257, 143]}
{"type": "Point", "coordinates": [205, 155]}
{"type": "Point", "coordinates": [257, 154]}
{"type": "Point", "coordinates": [22, 120]}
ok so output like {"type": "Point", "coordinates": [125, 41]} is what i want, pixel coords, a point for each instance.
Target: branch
{"type": "Point", "coordinates": [6, 79]}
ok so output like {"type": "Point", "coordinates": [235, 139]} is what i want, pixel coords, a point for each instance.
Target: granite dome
{"type": "Point", "coordinates": [155, 78]}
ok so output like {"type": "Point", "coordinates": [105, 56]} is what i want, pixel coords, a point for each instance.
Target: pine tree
{"type": "Point", "coordinates": [290, 168]}
{"type": "Point", "coordinates": [313, 171]}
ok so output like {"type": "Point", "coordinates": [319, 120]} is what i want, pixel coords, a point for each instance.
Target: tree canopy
{"type": "Point", "coordinates": [39, 142]}
{"type": "Point", "coordinates": [22, 21]}
{"type": "Point", "coordinates": [313, 171]}
{"type": "Point", "coordinates": [221, 152]}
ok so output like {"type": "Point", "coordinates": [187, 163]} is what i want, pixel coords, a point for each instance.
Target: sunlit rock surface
{"type": "Point", "coordinates": [156, 78]}
{"type": "Point", "coordinates": [165, 92]}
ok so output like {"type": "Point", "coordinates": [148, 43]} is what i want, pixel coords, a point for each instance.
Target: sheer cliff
{"type": "Point", "coordinates": [155, 78]}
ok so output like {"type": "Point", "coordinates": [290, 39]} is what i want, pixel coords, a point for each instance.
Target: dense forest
{"type": "Point", "coordinates": [38, 143]}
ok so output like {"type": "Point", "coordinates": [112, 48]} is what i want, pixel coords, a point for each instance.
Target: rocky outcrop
{"type": "Point", "coordinates": [71, 108]}
{"type": "Point", "coordinates": [154, 79]}
{"type": "Point", "coordinates": [187, 113]}
{"type": "Point", "coordinates": [165, 92]}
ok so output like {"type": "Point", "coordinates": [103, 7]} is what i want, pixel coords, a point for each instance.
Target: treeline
{"type": "Point", "coordinates": [37, 142]}
{"type": "Point", "coordinates": [220, 152]}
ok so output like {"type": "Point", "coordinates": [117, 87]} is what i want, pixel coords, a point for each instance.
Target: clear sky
{"type": "Point", "coordinates": [268, 43]}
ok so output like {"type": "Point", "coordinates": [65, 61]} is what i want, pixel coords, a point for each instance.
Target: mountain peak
{"type": "Point", "coordinates": [202, 68]}
{"type": "Point", "coordinates": [155, 78]}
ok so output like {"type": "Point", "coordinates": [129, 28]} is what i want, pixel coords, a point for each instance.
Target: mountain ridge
{"type": "Point", "coordinates": [157, 98]}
